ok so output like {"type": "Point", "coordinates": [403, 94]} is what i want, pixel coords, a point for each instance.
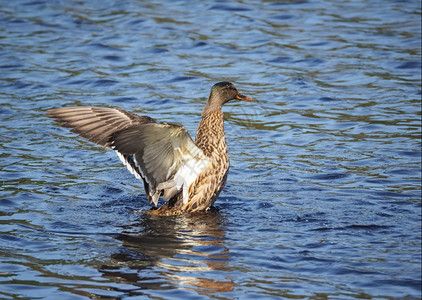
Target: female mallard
{"type": "Point", "coordinates": [190, 174]}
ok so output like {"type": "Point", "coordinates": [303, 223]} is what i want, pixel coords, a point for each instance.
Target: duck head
{"type": "Point", "coordinates": [221, 93]}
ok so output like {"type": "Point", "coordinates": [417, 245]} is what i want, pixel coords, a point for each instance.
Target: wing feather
{"type": "Point", "coordinates": [96, 124]}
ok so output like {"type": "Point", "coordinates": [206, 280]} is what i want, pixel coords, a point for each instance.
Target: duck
{"type": "Point", "coordinates": [189, 174]}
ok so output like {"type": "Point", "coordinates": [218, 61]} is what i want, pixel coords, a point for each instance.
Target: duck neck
{"type": "Point", "coordinates": [210, 136]}
{"type": "Point", "coordinates": [210, 107]}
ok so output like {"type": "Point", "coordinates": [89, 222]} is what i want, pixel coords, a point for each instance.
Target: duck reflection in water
{"type": "Point", "coordinates": [167, 252]}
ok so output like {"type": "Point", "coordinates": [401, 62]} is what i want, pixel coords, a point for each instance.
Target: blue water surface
{"type": "Point", "coordinates": [323, 199]}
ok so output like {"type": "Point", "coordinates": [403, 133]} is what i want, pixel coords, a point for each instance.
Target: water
{"type": "Point", "coordinates": [323, 196]}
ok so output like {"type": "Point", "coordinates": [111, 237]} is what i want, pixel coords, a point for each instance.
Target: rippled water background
{"type": "Point", "coordinates": [323, 197]}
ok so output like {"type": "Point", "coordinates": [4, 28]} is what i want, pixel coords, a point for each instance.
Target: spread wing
{"type": "Point", "coordinates": [163, 155]}
{"type": "Point", "coordinates": [96, 124]}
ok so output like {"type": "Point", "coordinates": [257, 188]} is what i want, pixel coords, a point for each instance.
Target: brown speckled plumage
{"type": "Point", "coordinates": [190, 174]}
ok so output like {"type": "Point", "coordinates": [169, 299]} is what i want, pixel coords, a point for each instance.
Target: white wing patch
{"type": "Point", "coordinates": [136, 173]}
{"type": "Point", "coordinates": [188, 173]}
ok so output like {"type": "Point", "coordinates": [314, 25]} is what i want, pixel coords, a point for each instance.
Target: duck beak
{"type": "Point", "coordinates": [241, 97]}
